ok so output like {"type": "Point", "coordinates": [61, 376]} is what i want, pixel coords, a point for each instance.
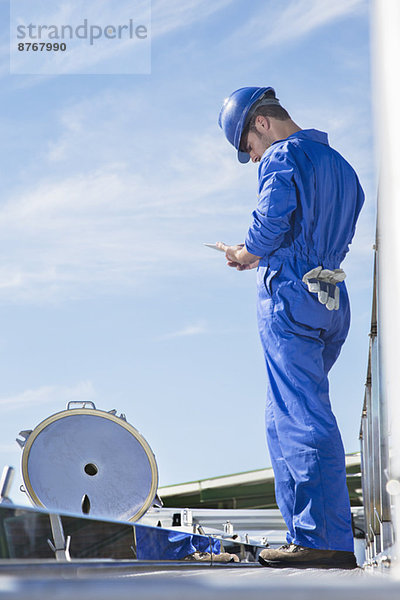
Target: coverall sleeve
{"type": "Point", "coordinates": [276, 203]}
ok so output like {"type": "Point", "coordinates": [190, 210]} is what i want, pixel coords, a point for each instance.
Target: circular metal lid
{"type": "Point", "coordinates": [92, 462]}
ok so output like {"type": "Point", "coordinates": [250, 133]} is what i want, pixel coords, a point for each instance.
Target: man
{"type": "Point", "coordinates": [308, 204]}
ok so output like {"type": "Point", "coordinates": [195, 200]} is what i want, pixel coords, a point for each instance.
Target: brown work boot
{"type": "Point", "coordinates": [299, 557]}
{"type": "Point", "coordinates": [222, 557]}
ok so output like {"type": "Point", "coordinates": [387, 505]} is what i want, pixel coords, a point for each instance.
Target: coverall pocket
{"type": "Point", "coordinates": [269, 279]}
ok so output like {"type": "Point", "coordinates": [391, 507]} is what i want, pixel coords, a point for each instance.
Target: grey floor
{"type": "Point", "coordinates": [120, 581]}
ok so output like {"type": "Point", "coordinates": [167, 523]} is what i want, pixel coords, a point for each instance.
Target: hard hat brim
{"type": "Point", "coordinates": [243, 157]}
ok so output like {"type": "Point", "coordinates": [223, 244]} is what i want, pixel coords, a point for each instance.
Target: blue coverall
{"type": "Point", "coordinates": [309, 202]}
{"type": "Point", "coordinates": [155, 543]}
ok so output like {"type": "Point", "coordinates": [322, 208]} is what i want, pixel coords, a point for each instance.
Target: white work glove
{"type": "Point", "coordinates": [323, 282]}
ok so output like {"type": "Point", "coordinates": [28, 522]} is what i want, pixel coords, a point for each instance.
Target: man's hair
{"type": "Point", "coordinates": [274, 111]}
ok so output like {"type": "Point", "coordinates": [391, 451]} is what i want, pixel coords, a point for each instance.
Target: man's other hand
{"type": "Point", "coordinates": [240, 267]}
{"type": "Point", "coordinates": [238, 257]}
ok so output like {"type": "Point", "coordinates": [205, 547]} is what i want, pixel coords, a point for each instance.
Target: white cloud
{"type": "Point", "coordinates": [170, 15]}
{"type": "Point", "coordinates": [104, 228]}
{"type": "Point", "coordinates": [283, 22]}
{"type": "Point", "coordinates": [189, 330]}
{"type": "Point", "coordinates": [114, 222]}
{"type": "Point", "coordinates": [56, 395]}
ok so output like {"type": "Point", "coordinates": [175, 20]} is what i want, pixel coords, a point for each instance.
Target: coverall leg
{"type": "Point", "coordinates": [301, 341]}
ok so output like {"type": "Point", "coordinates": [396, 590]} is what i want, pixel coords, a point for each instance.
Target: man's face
{"type": "Point", "coordinates": [259, 138]}
{"type": "Point", "coordinates": [256, 145]}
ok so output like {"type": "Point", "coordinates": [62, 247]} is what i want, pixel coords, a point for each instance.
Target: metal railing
{"type": "Point", "coordinates": [374, 434]}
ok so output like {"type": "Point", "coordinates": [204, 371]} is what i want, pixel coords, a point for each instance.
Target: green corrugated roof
{"type": "Point", "coordinates": [249, 489]}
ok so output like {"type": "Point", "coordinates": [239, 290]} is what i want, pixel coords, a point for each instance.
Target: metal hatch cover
{"type": "Point", "coordinates": [89, 461]}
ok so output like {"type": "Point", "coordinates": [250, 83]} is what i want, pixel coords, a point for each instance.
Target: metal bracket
{"type": "Point", "coordinates": [24, 434]}
{"type": "Point", "coordinates": [157, 502]}
{"type": "Point", "coordinates": [80, 404]}
{"type": "Point", "coordinates": [61, 545]}
{"type": "Point", "coordinates": [114, 412]}
{"type": "Point", "coordinates": [187, 517]}
{"type": "Point", "coordinates": [228, 528]}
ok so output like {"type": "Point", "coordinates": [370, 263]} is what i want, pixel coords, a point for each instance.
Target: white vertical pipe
{"type": "Point", "coordinates": [386, 97]}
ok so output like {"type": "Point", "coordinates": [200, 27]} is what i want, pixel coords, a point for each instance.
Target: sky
{"type": "Point", "coordinates": [110, 186]}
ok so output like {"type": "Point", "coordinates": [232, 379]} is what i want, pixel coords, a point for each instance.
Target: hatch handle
{"type": "Point", "coordinates": [80, 404]}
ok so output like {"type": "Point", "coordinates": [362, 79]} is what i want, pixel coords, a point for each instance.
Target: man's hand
{"type": "Point", "coordinates": [240, 267]}
{"type": "Point", "coordinates": [231, 252]}
{"type": "Point", "coordinates": [238, 257]}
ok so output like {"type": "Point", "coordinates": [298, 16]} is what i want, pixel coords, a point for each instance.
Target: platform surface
{"type": "Point", "coordinates": [160, 581]}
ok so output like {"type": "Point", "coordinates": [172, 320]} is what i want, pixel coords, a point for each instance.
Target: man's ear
{"type": "Point", "coordinates": [262, 124]}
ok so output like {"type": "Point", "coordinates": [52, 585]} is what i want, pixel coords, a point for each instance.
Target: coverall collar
{"type": "Point", "coordinates": [304, 134]}
{"type": "Point", "coordinates": [308, 134]}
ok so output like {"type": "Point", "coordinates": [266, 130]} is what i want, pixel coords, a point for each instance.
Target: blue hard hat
{"type": "Point", "coordinates": [234, 113]}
